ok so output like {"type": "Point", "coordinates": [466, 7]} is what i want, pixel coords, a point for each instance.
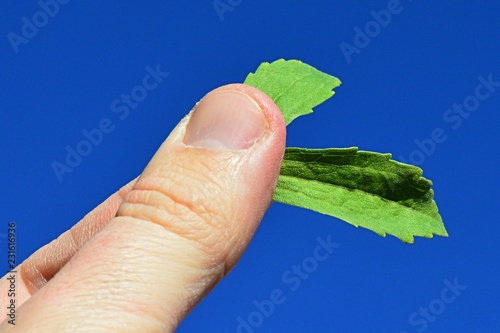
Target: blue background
{"type": "Point", "coordinates": [395, 90]}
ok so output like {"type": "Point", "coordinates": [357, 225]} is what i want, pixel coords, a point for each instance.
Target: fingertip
{"type": "Point", "coordinates": [276, 122]}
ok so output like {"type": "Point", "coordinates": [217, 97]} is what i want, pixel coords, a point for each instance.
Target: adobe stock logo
{"type": "Point", "coordinates": [95, 136]}
{"type": "Point", "coordinates": [222, 6]}
{"type": "Point", "coordinates": [454, 116]}
{"type": "Point", "coordinates": [429, 314]}
{"type": "Point", "coordinates": [372, 29]}
{"type": "Point", "coordinates": [30, 28]}
{"type": "Point", "coordinates": [292, 279]}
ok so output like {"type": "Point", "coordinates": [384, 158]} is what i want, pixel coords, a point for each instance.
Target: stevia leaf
{"type": "Point", "coordinates": [365, 189]}
{"type": "Point", "coordinates": [294, 86]}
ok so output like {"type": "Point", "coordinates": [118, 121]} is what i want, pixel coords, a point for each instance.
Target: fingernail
{"type": "Point", "coordinates": [225, 120]}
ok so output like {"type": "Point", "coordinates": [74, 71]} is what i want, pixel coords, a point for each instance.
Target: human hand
{"type": "Point", "coordinates": [143, 259]}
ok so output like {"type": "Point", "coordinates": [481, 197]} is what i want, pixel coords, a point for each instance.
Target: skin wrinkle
{"type": "Point", "coordinates": [199, 272]}
{"type": "Point", "coordinates": [86, 280]}
{"type": "Point", "coordinates": [189, 169]}
{"type": "Point", "coordinates": [32, 277]}
{"type": "Point", "coordinates": [215, 263]}
{"type": "Point", "coordinates": [159, 185]}
{"type": "Point", "coordinates": [178, 274]}
{"type": "Point", "coordinates": [40, 267]}
{"type": "Point", "coordinates": [180, 194]}
{"type": "Point", "coordinates": [96, 298]}
{"type": "Point", "coordinates": [189, 226]}
{"type": "Point", "coordinates": [198, 170]}
{"type": "Point", "coordinates": [166, 213]}
{"type": "Point", "coordinates": [46, 263]}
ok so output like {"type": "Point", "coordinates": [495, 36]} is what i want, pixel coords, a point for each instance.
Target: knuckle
{"type": "Point", "coordinates": [188, 206]}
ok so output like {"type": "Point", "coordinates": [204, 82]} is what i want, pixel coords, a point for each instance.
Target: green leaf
{"type": "Point", "coordinates": [365, 189]}
{"type": "Point", "coordinates": [294, 86]}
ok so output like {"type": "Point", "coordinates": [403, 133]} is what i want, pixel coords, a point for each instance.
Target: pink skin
{"type": "Point", "coordinates": [256, 173]}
